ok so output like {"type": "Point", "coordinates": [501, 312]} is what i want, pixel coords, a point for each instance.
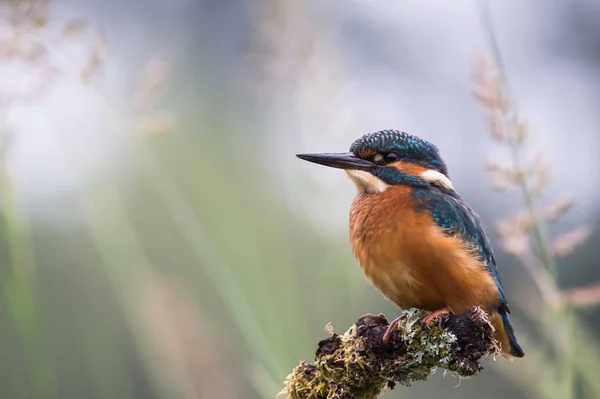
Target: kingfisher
{"type": "Point", "coordinates": [416, 239]}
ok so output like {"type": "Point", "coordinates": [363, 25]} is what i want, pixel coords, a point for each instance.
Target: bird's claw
{"type": "Point", "coordinates": [433, 315]}
{"type": "Point", "coordinates": [427, 320]}
{"type": "Point", "coordinates": [391, 328]}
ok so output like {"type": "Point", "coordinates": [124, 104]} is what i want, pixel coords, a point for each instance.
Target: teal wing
{"type": "Point", "coordinates": [457, 219]}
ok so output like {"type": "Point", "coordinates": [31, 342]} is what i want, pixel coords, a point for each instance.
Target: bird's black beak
{"type": "Point", "coordinates": [341, 160]}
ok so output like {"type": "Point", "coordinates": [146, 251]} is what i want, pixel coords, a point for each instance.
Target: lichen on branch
{"type": "Point", "coordinates": [358, 365]}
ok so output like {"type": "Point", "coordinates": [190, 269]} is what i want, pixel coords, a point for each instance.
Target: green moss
{"type": "Point", "coordinates": [359, 365]}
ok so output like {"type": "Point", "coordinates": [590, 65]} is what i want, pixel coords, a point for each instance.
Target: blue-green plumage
{"type": "Point", "coordinates": [394, 177]}
{"type": "Point", "coordinates": [399, 159]}
{"type": "Point", "coordinates": [453, 215]}
{"type": "Point", "coordinates": [446, 207]}
{"type": "Point", "coordinates": [408, 148]}
{"type": "Point", "coordinates": [456, 218]}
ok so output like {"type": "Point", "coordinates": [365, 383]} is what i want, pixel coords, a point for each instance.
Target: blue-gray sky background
{"type": "Point", "coordinates": [212, 226]}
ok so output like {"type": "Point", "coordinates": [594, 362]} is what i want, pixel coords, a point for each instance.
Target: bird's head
{"type": "Point", "coordinates": [387, 158]}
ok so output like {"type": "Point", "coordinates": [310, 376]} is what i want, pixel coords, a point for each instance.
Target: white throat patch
{"type": "Point", "coordinates": [435, 177]}
{"type": "Point", "coordinates": [366, 182]}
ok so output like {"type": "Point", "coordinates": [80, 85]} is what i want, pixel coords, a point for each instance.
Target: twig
{"type": "Point", "coordinates": [511, 115]}
{"type": "Point", "coordinates": [557, 319]}
{"type": "Point", "coordinates": [359, 365]}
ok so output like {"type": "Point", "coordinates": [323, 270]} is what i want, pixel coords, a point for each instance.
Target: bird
{"type": "Point", "coordinates": [417, 241]}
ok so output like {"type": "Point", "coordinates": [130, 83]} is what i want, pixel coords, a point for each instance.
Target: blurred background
{"type": "Point", "coordinates": [160, 240]}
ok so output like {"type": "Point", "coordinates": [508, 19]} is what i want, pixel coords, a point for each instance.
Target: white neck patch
{"type": "Point", "coordinates": [435, 177]}
{"type": "Point", "coordinates": [365, 182]}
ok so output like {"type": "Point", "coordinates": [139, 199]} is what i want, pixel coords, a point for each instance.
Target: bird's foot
{"type": "Point", "coordinates": [391, 328]}
{"type": "Point", "coordinates": [437, 313]}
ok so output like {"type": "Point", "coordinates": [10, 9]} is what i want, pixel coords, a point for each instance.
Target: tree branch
{"type": "Point", "coordinates": [358, 365]}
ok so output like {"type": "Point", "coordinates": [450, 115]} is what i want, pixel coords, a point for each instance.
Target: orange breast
{"type": "Point", "coordinates": [410, 260]}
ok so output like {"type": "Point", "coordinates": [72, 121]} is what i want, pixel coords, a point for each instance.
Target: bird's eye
{"type": "Point", "coordinates": [391, 157]}
{"type": "Point", "coordinates": [382, 159]}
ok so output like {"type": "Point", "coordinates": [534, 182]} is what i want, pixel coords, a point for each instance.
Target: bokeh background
{"type": "Point", "coordinates": [160, 240]}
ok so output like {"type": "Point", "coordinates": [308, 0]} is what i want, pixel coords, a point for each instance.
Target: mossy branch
{"type": "Point", "coordinates": [358, 365]}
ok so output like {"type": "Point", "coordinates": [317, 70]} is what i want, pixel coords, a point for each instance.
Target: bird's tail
{"type": "Point", "coordinates": [505, 333]}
